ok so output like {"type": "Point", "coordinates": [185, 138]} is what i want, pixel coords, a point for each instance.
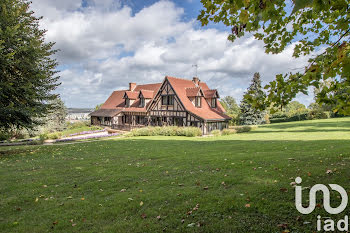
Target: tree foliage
{"type": "Point", "coordinates": [230, 105]}
{"type": "Point", "coordinates": [55, 118]}
{"type": "Point", "coordinates": [98, 106]}
{"type": "Point", "coordinates": [27, 71]}
{"type": "Point", "coordinates": [249, 114]}
{"type": "Point", "coordinates": [295, 107]}
{"type": "Point", "coordinates": [232, 109]}
{"type": "Point", "coordinates": [312, 26]}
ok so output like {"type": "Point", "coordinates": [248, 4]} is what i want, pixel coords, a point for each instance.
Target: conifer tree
{"type": "Point", "coordinates": [249, 114]}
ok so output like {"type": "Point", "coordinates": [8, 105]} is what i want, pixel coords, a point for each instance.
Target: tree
{"type": "Point", "coordinates": [307, 24]}
{"type": "Point", "coordinates": [230, 105]}
{"type": "Point", "coordinates": [249, 114]}
{"type": "Point", "coordinates": [231, 108]}
{"type": "Point", "coordinates": [294, 108]}
{"type": "Point", "coordinates": [27, 70]}
{"type": "Point", "coordinates": [98, 106]}
{"type": "Point", "coordinates": [56, 116]}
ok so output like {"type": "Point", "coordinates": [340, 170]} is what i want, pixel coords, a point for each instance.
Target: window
{"type": "Point", "coordinates": [127, 103]}
{"type": "Point", "coordinates": [164, 100]}
{"type": "Point", "coordinates": [170, 100]}
{"type": "Point", "coordinates": [142, 102]}
{"type": "Point", "coordinates": [167, 100]}
{"type": "Point", "coordinates": [198, 101]}
{"type": "Point", "coordinates": [213, 102]}
{"type": "Point", "coordinates": [139, 120]}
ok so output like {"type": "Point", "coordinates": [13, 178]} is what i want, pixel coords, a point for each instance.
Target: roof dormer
{"type": "Point", "coordinates": [131, 95]}
{"type": "Point", "coordinates": [146, 94]}
{"type": "Point", "coordinates": [194, 91]}
{"type": "Point", "coordinates": [210, 94]}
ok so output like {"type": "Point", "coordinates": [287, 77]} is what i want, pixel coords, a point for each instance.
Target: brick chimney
{"type": "Point", "coordinates": [196, 80]}
{"type": "Point", "coordinates": [132, 86]}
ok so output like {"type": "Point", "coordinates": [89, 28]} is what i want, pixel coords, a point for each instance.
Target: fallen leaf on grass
{"type": "Point", "coordinates": [283, 190]}
{"type": "Point", "coordinates": [143, 216]}
{"type": "Point", "coordinates": [247, 205]}
{"type": "Point", "coordinates": [83, 198]}
{"type": "Point", "coordinates": [196, 207]}
{"type": "Point", "coordinates": [141, 203]}
{"type": "Point", "coordinates": [191, 225]}
{"type": "Point", "coordinates": [283, 225]}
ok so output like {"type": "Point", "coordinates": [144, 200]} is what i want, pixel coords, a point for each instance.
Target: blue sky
{"type": "Point", "coordinates": [105, 44]}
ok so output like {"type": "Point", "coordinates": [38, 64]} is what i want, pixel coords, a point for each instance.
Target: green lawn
{"type": "Point", "coordinates": [235, 183]}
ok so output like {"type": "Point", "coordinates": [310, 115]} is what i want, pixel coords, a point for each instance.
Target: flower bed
{"type": "Point", "coordinates": [87, 132]}
{"type": "Point", "coordinates": [87, 137]}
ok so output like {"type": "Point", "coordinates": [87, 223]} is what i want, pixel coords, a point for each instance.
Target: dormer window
{"type": "Point", "coordinates": [167, 100]}
{"type": "Point", "coordinates": [127, 103]}
{"type": "Point", "coordinates": [142, 102]}
{"type": "Point", "coordinates": [197, 101]}
{"type": "Point", "coordinates": [213, 102]}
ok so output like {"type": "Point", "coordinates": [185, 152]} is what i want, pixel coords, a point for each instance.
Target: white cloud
{"type": "Point", "coordinates": [104, 46]}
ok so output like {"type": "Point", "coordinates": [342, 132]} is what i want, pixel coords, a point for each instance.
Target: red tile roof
{"type": "Point", "coordinates": [147, 94]}
{"type": "Point", "coordinates": [133, 95]}
{"type": "Point", "coordinates": [205, 111]}
{"type": "Point", "coordinates": [183, 88]}
{"type": "Point", "coordinates": [210, 93]}
{"type": "Point", "coordinates": [192, 91]}
{"type": "Point", "coordinates": [116, 101]}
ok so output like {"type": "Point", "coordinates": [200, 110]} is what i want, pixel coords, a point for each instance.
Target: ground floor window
{"type": "Point", "coordinates": [139, 120]}
{"type": "Point", "coordinates": [216, 125]}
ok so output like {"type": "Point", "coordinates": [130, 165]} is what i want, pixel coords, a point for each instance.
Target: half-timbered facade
{"type": "Point", "coordinates": [174, 102]}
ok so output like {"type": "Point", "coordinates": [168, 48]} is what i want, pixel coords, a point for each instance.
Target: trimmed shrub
{"type": "Point", "coordinates": [243, 129]}
{"type": "Point", "coordinates": [298, 117]}
{"type": "Point", "coordinates": [317, 114]}
{"type": "Point", "coordinates": [166, 131]}
{"type": "Point", "coordinates": [228, 131]}
{"type": "Point", "coordinates": [55, 135]}
{"type": "Point", "coordinates": [4, 136]}
{"type": "Point", "coordinates": [43, 137]}
{"type": "Point", "coordinates": [215, 132]}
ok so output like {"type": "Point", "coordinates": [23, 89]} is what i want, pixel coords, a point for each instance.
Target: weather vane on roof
{"type": "Point", "coordinates": [196, 66]}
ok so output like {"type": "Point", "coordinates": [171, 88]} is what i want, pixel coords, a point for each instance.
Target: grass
{"type": "Point", "coordinates": [241, 182]}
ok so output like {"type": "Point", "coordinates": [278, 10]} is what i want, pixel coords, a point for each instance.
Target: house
{"type": "Point", "coordinates": [175, 102]}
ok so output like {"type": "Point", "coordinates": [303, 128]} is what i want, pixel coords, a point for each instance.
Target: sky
{"type": "Point", "coordinates": [105, 44]}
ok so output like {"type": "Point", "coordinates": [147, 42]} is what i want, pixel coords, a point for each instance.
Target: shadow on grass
{"type": "Point", "coordinates": [311, 130]}
{"type": "Point", "coordinates": [309, 126]}
{"type": "Point", "coordinates": [8, 152]}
